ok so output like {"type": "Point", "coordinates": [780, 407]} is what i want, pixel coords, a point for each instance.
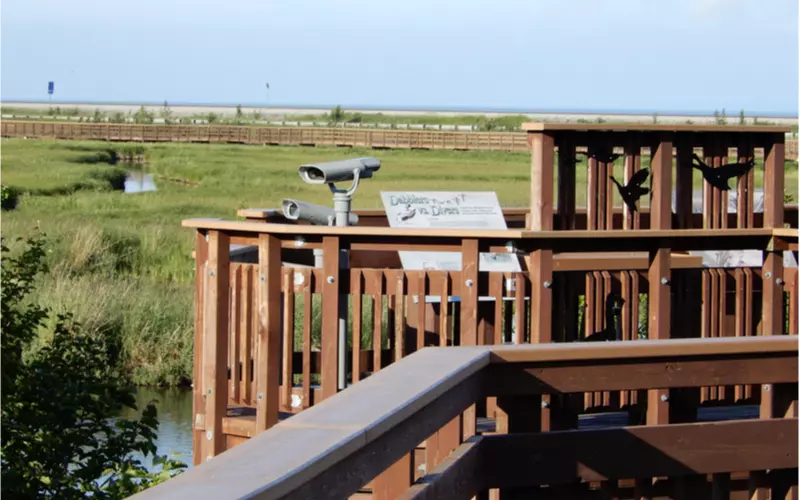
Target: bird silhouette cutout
{"type": "Point", "coordinates": [633, 190]}
{"type": "Point", "coordinates": [719, 177]}
{"type": "Point", "coordinates": [603, 156]}
{"type": "Point", "coordinates": [613, 329]}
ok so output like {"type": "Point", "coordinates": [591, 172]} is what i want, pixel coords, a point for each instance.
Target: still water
{"type": "Point", "coordinates": [174, 421]}
{"type": "Point", "coordinates": [139, 182]}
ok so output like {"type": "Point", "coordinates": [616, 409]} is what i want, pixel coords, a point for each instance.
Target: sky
{"type": "Point", "coordinates": [569, 55]}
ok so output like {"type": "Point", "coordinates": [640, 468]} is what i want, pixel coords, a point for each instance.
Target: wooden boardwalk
{"type": "Point", "coordinates": [285, 136]}
{"type": "Point", "coordinates": [428, 379]}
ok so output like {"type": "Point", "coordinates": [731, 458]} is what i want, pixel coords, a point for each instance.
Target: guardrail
{"type": "Point", "coordinates": [285, 135]}
{"type": "Point", "coordinates": [305, 136]}
{"type": "Point", "coordinates": [333, 449]}
{"type": "Point", "coordinates": [263, 321]}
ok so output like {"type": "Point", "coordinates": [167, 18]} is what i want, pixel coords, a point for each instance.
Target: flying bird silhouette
{"type": "Point", "coordinates": [633, 190]}
{"type": "Point", "coordinates": [719, 177]}
{"type": "Point", "coordinates": [603, 156]}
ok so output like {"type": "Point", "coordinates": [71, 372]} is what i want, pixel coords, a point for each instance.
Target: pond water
{"type": "Point", "coordinates": [139, 182]}
{"type": "Point", "coordinates": [174, 419]}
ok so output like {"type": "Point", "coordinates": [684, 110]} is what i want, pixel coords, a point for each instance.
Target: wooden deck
{"type": "Point", "coordinates": [682, 341]}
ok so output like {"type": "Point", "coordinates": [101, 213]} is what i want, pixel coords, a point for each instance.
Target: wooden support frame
{"type": "Point", "coordinates": [198, 389]}
{"type": "Point", "coordinates": [541, 213]}
{"type": "Point", "coordinates": [215, 343]}
{"type": "Point", "coordinates": [268, 338]}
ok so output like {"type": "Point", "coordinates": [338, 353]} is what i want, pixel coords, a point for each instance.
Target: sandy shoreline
{"type": "Point", "coordinates": [280, 112]}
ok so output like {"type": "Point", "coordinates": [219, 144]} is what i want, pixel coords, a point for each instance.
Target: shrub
{"type": "Point", "coordinates": [59, 399]}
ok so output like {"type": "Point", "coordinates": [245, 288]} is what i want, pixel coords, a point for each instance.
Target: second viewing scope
{"type": "Point", "coordinates": [337, 171]}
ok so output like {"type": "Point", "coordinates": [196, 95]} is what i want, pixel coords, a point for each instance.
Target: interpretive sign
{"type": "Point", "coordinates": [447, 210]}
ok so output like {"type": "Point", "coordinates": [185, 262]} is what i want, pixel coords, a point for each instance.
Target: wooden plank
{"type": "Point", "coordinates": [307, 313]}
{"type": "Point", "coordinates": [638, 452]}
{"type": "Point", "coordinates": [199, 450]}
{"type": "Point", "coordinates": [772, 294]}
{"type": "Point", "coordinates": [395, 480]}
{"type": "Point", "coordinates": [216, 342]}
{"type": "Point", "coordinates": [268, 339]}
{"type": "Point", "coordinates": [234, 309]}
{"type": "Point", "coordinates": [658, 278]}
{"type": "Point", "coordinates": [287, 330]}
{"type": "Point", "coordinates": [532, 378]}
{"type": "Point", "coordinates": [399, 317]}
{"type": "Point", "coordinates": [422, 306]}
{"type": "Point", "coordinates": [358, 299]}
{"type": "Point", "coordinates": [246, 328]}
{"type": "Point", "coordinates": [460, 475]}
{"type": "Point", "coordinates": [541, 181]}
{"type": "Point", "coordinates": [330, 316]}
{"type": "Point", "coordinates": [469, 318]}
{"type": "Point", "coordinates": [683, 183]}
{"type": "Point", "coordinates": [626, 350]}
{"type": "Point", "coordinates": [774, 181]}
{"type": "Point", "coordinates": [661, 184]}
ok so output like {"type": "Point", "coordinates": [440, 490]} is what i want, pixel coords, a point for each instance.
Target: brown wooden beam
{"type": "Point", "coordinates": [517, 379]}
{"type": "Point", "coordinates": [459, 476]}
{"type": "Point", "coordinates": [637, 452]}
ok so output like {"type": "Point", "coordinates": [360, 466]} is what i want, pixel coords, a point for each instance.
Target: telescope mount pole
{"type": "Point", "coordinates": [341, 206]}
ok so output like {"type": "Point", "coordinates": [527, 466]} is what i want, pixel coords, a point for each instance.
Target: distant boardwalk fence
{"type": "Point", "coordinates": [310, 136]}
{"type": "Point", "coordinates": [283, 136]}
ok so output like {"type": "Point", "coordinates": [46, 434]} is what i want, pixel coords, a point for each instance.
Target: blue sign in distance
{"type": "Point", "coordinates": [51, 87]}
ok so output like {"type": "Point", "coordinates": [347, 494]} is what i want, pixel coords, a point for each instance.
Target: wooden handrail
{"type": "Point", "coordinates": [339, 445]}
{"type": "Point", "coordinates": [657, 127]}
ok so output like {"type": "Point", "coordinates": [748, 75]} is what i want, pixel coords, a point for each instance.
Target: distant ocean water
{"type": "Point", "coordinates": [462, 109]}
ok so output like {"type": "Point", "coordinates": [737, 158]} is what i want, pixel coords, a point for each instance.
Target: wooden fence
{"type": "Point", "coordinates": [308, 136]}
{"type": "Point", "coordinates": [275, 327]}
{"type": "Point", "coordinates": [299, 136]}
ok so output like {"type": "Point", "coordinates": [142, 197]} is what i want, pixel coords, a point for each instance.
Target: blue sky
{"type": "Point", "coordinates": [639, 55]}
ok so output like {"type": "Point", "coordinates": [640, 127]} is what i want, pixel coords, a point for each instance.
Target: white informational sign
{"type": "Point", "coordinates": [448, 210]}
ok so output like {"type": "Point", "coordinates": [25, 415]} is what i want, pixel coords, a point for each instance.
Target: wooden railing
{"type": "Point", "coordinates": [335, 448]}
{"type": "Point", "coordinates": [275, 327]}
{"type": "Point", "coordinates": [267, 321]}
{"type": "Point", "coordinates": [374, 138]}
{"type": "Point", "coordinates": [390, 139]}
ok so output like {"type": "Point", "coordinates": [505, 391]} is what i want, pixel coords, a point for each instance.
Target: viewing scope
{"type": "Point", "coordinates": [340, 170]}
{"type": "Point", "coordinates": [317, 215]}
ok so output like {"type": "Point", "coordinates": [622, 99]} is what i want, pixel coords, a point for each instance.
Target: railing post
{"type": "Point", "coordinates": [215, 344]}
{"type": "Point", "coordinates": [198, 388]}
{"type": "Point", "coordinates": [541, 181]}
{"type": "Point", "coordinates": [661, 183]}
{"type": "Point", "coordinates": [774, 156]}
{"type": "Point", "coordinates": [268, 340]}
{"type": "Point", "coordinates": [541, 272]}
{"type": "Point", "coordinates": [330, 316]}
{"type": "Point", "coordinates": [469, 316]}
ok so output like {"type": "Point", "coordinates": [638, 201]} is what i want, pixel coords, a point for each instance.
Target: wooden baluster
{"type": "Point", "coordinates": [469, 317]}
{"type": "Point", "coordinates": [330, 317]}
{"type": "Point", "coordinates": [199, 449]}
{"type": "Point", "coordinates": [308, 314]}
{"type": "Point", "coordinates": [541, 209]}
{"type": "Point", "coordinates": [269, 332]}
{"type": "Point", "coordinates": [287, 374]}
{"type": "Point", "coordinates": [216, 341]}
{"type": "Point", "coordinates": [357, 294]}
{"type": "Point", "coordinates": [233, 329]}
{"type": "Point", "coordinates": [246, 328]}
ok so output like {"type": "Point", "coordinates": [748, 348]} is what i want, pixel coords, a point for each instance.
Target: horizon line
{"type": "Point", "coordinates": [389, 108]}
